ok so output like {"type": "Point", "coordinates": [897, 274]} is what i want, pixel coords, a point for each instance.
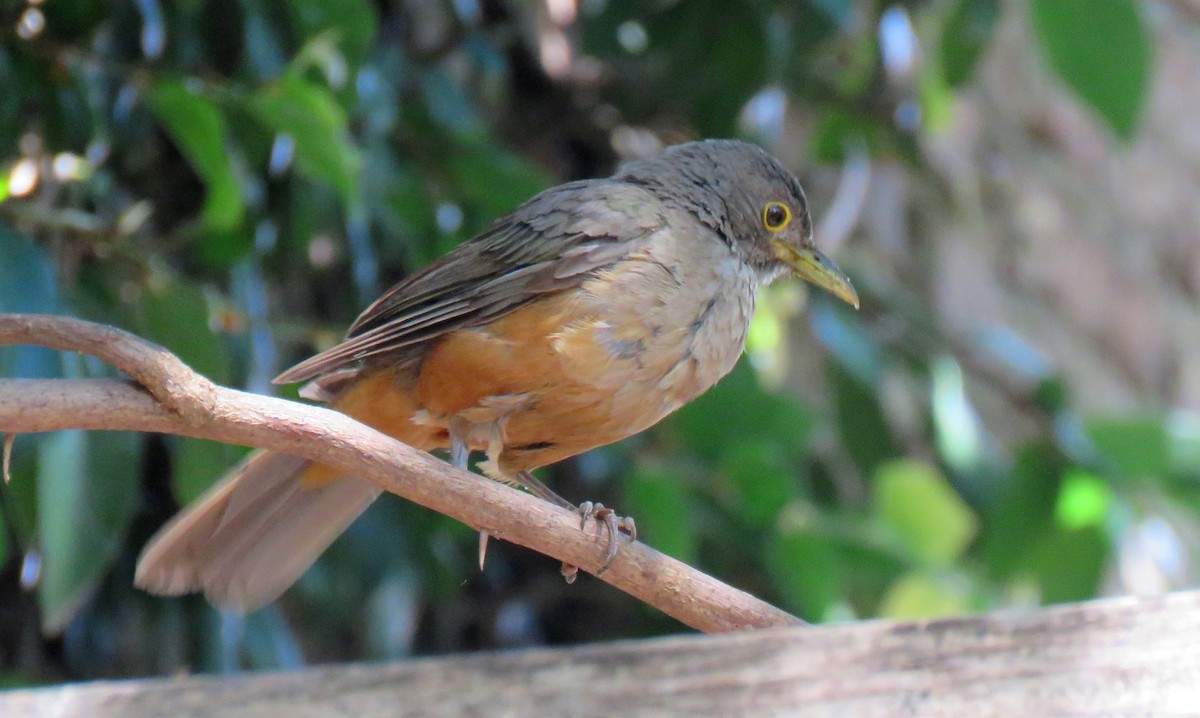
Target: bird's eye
{"type": "Point", "coordinates": [776, 216]}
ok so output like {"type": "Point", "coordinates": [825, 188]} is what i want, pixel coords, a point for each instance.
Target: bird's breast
{"type": "Point", "coordinates": [662, 326]}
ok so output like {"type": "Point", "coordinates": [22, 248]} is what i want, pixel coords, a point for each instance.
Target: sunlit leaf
{"type": "Point", "coordinates": [197, 126]}
{"type": "Point", "coordinates": [1083, 501]}
{"type": "Point", "coordinates": [1101, 50]}
{"type": "Point", "coordinates": [919, 595]}
{"type": "Point", "coordinates": [918, 504]}
{"type": "Point", "coordinates": [86, 491]}
{"type": "Point", "coordinates": [936, 100]}
{"type": "Point", "coordinates": [954, 417]}
{"type": "Point", "coordinates": [310, 115]}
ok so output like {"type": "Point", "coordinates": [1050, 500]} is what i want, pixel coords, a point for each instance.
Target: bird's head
{"type": "Point", "coordinates": [755, 203]}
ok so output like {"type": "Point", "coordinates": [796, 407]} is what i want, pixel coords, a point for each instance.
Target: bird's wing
{"type": "Point", "coordinates": [550, 243]}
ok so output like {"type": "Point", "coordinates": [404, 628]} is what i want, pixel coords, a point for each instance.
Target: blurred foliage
{"type": "Point", "coordinates": [236, 180]}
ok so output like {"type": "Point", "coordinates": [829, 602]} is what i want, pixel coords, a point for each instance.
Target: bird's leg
{"type": "Point", "coordinates": [586, 510]}
{"type": "Point", "coordinates": [460, 454]}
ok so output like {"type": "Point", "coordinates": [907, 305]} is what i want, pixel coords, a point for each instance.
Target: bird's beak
{"type": "Point", "coordinates": [810, 265]}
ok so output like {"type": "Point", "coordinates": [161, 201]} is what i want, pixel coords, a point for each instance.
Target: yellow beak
{"type": "Point", "coordinates": [814, 267]}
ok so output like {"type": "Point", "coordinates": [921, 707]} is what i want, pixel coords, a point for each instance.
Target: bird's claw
{"type": "Point", "coordinates": [615, 525]}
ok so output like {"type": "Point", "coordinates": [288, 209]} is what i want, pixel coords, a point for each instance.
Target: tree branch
{"type": "Point", "coordinates": [168, 397]}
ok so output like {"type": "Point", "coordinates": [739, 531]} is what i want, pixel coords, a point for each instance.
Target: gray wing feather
{"type": "Point", "coordinates": [550, 243]}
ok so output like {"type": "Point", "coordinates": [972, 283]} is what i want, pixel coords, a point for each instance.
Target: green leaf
{"type": "Point", "coordinates": [1101, 50]}
{"type": "Point", "coordinates": [16, 680]}
{"type": "Point", "coordinates": [806, 566]}
{"type": "Point", "coordinates": [353, 23]}
{"type": "Point", "coordinates": [196, 464]}
{"type": "Point", "coordinates": [661, 70]}
{"type": "Point", "coordinates": [1070, 564]}
{"type": "Point", "coordinates": [312, 118]}
{"type": "Point", "coordinates": [20, 495]}
{"type": "Point", "coordinates": [760, 473]}
{"type": "Point", "coordinates": [27, 285]}
{"type": "Point", "coordinates": [659, 500]}
{"type": "Point", "coordinates": [86, 494]}
{"type": "Point", "coordinates": [840, 11]}
{"type": "Point", "coordinates": [1025, 510]}
{"type": "Point", "coordinates": [74, 20]}
{"type": "Point", "coordinates": [920, 506]}
{"type": "Point", "coordinates": [198, 128]}
{"type": "Point", "coordinates": [222, 249]}
{"type": "Point", "coordinates": [965, 35]}
{"type": "Point", "coordinates": [862, 426]}
{"type": "Point", "coordinates": [839, 130]}
{"type": "Point", "coordinates": [739, 407]}
{"type": "Point", "coordinates": [176, 315]}
{"type": "Point", "coordinates": [919, 595]}
{"type": "Point", "coordinates": [492, 180]}
{"type": "Point", "coordinates": [1084, 500]}
{"type": "Point", "coordinates": [1137, 448]}
{"type": "Point", "coordinates": [731, 38]}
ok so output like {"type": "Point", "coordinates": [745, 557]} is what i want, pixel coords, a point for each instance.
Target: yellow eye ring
{"type": "Point", "coordinates": [776, 216]}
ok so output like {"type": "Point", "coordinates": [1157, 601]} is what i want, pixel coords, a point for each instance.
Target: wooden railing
{"type": "Point", "coordinates": [1113, 657]}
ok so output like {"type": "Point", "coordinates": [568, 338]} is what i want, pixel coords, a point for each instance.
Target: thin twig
{"type": "Point", "coordinates": [171, 398]}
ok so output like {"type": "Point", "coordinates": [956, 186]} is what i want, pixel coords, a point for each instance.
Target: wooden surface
{"type": "Point", "coordinates": [1107, 658]}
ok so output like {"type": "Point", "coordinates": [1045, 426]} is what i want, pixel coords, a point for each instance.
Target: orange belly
{"type": "Point", "coordinates": [553, 379]}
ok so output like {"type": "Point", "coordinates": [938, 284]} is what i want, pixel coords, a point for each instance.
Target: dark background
{"type": "Point", "coordinates": [1009, 421]}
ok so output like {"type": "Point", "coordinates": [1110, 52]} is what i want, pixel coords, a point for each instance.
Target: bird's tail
{"type": "Point", "coordinates": [251, 536]}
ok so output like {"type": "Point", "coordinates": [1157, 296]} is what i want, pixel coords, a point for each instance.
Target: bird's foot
{"type": "Point", "coordinates": [615, 525]}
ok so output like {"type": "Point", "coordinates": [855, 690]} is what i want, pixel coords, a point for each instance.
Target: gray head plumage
{"type": "Point", "coordinates": [732, 187]}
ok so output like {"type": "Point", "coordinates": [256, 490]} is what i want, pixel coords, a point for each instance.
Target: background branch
{"type": "Point", "coordinates": [171, 398]}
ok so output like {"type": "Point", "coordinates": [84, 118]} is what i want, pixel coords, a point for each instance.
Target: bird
{"type": "Point", "coordinates": [584, 316]}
